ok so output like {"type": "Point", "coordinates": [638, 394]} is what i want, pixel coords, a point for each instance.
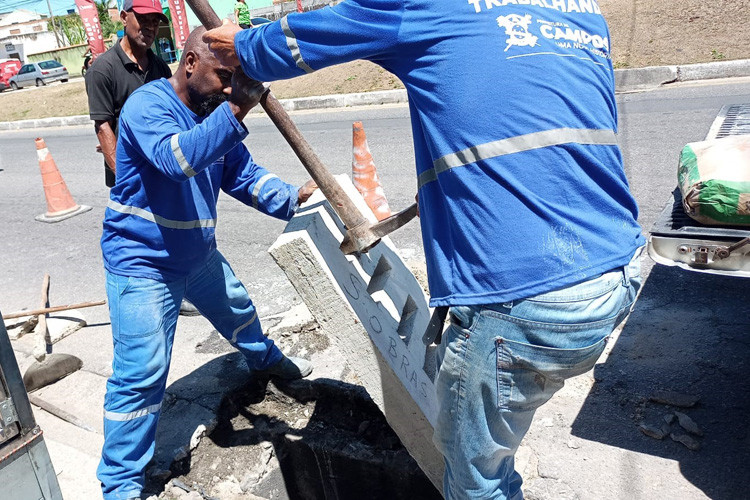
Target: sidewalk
{"type": "Point", "coordinates": [204, 368]}
{"type": "Point", "coordinates": [626, 80]}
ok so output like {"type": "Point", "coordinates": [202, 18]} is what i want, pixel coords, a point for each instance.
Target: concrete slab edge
{"type": "Point", "coordinates": [626, 80]}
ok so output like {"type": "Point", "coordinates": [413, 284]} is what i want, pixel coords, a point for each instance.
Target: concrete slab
{"type": "Point", "coordinates": [59, 325]}
{"type": "Point", "coordinates": [81, 394]}
{"type": "Point", "coordinates": [64, 323]}
{"type": "Point", "coordinates": [375, 311]}
{"type": "Point", "coordinates": [19, 327]}
{"type": "Point", "coordinates": [74, 453]}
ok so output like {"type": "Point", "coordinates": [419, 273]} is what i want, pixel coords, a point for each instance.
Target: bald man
{"type": "Point", "coordinates": [180, 142]}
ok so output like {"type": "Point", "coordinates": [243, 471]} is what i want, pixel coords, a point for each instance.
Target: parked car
{"type": "Point", "coordinates": [8, 68]}
{"type": "Point", "coordinates": [39, 73]}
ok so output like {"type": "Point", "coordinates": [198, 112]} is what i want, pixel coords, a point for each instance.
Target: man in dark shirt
{"type": "Point", "coordinates": [114, 75]}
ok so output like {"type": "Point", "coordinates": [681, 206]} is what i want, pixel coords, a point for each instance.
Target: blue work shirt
{"type": "Point", "coordinates": [521, 183]}
{"type": "Point", "coordinates": [161, 217]}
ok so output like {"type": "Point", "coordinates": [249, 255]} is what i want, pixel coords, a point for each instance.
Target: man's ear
{"type": "Point", "coordinates": [191, 61]}
{"type": "Point", "coordinates": [124, 17]}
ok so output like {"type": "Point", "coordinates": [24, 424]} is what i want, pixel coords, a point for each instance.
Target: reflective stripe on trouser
{"type": "Point", "coordinates": [498, 363]}
{"type": "Point", "coordinates": [144, 316]}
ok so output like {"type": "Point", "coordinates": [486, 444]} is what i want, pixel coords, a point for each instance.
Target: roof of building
{"type": "Point", "coordinates": [18, 16]}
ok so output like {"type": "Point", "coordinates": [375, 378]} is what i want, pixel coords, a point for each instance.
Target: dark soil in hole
{"type": "Point", "coordinates": [303, 440]}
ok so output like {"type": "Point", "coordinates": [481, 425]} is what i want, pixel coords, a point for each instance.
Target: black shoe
{"type": "Point", "coordinates": [188, 309]}
{"type": "Point", "coordinates": [289, 368]}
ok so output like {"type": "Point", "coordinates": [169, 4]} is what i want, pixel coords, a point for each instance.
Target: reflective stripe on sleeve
{"type": "Point", "coordinates": [258, 186]}
{"type": "Point", "coordinates": [516, 144]}
{"type": "Point", "coordinates": [180, 157]}
{"type": "Point", "coordinates": [123, 417]}
{"type": "Point", "coordinates": [291, 42]}
{"type": "Point", "coordinates": [156, 219]}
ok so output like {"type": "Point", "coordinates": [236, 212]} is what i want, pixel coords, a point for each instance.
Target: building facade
{"type": "Point", "coordinates": [23, 33]}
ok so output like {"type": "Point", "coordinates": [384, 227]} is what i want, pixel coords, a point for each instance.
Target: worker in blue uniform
{"type": "Point", "coordinates": [528, 223]}
{"type": "Point", "coordinates": [180, 141]}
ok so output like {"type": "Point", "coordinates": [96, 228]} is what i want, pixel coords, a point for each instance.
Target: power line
{"type": "Point", "coordinates": [62, 8]}
{"type": "Point", "coordinates": [14, 5]}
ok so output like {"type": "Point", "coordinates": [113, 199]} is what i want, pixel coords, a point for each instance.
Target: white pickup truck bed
{"type": "Point", "coordinates": [678, 240]}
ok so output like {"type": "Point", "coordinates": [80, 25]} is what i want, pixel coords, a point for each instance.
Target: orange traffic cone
{"type": "Point", "coordinates": [364, 175]}
{"type": "Point", "coordinates": [60, 204]}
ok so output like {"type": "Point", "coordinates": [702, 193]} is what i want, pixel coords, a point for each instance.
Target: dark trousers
{"type": "Point", "coordinates": [109, 176]}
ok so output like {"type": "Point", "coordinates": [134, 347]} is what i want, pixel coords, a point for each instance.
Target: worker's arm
{"type": "Point", "coordinates": [236, 16]}
{"type": "Point", "coordinates": [99, 88]}
{"type": "Point", "coordinates": [247, 181]}
{"type": "Point", "coordinates": [107, 140]}
{"type": "Point", "coordinates": [149, 126]}
{"type": "Point", "coordinates": [255, 186]}
{"type": "Point", "coordinates": [150, 129]}
{"type": "Point", "coordinates": [299, 44]}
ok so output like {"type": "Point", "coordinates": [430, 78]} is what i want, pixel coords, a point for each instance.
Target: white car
{"type": "Point", "coordinates": [39, 73]}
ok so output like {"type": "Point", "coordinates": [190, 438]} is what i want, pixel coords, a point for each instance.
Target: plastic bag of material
{"type": "Point", "coordinates": [714, 179]}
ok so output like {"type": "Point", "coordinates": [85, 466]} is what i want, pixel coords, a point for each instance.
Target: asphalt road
{"type": "Point", "coordinates": [31, 248]}
{"type": "Point", "coordinates": [688, 332]}
{"type": "Point", "coordinates": [654, 127]}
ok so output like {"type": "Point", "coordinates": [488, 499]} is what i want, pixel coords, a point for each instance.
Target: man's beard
{"type": "Point", "coordinates": [205, 105]}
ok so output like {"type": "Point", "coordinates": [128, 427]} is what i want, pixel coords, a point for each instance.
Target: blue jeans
{"type": "Point", "coordinates": [500, 362]}
{"type": "Point", "coordinates": [144, 315]}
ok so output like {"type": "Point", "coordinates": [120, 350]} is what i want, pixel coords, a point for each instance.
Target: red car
{"type": "Point", "coordinates": [8, 68]}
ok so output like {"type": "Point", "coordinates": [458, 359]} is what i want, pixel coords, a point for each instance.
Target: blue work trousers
{"type": "Point", "coordinates": [144, 315]}
{"type": "Point", "coordinates": [500, 362]}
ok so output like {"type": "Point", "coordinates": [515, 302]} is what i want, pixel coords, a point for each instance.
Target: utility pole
{"type": "Point", "coordinates": [54, 28]}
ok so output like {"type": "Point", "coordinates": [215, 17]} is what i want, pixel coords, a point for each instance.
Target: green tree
{"type": "Point", "coordinates": [71, 26]}
{"type": "Point", "coordinates": [109, 27]}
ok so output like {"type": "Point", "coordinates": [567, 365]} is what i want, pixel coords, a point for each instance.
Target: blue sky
{"type": "Point", "coordinates": [59, 7]}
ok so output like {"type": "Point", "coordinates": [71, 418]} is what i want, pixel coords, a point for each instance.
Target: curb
{"type": "Point", "coordinates": [60, 121]}
{"type": "Point", "coordinates": [626, 80]}
{"type": "Point", "coordinates": [343, 100]}
{"type": "Point", "coordinates": [639, 79]}
{"type": "Point", "coordinates": [298, 104]}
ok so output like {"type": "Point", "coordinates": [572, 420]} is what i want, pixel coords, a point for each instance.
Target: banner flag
{"type": "Point", "coordinates": [90, 18]}
{"type": "Point", "coordinates": [179, 23]}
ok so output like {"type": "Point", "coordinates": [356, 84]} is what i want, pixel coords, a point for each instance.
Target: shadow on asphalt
{"type": "Point", "coordinates": [329, 438]}
{"type": "Point", "coordinates": [689, 333]}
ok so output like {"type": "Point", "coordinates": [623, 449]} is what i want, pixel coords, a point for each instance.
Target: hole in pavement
{"type": "Point", "coordinates": [320, 439]}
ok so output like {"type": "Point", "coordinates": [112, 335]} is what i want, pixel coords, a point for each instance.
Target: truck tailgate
{"type": "Point", "coordinates": [678, 240]}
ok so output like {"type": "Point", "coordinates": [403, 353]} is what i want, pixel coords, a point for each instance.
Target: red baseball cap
{"type": "Point", "coordinates": [145, 7]}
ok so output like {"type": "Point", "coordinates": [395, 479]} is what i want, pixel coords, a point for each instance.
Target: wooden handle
{"type": "Point", "coordinates": [340, 202]}
{"type": "Point", "coordinates": [45, 310]}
